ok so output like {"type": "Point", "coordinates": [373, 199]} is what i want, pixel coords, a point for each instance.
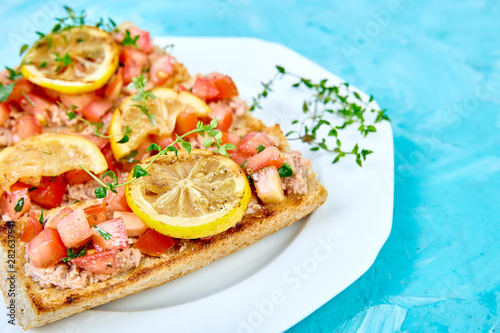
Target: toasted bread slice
{"type": "Point", "coordinates": [36, 306]}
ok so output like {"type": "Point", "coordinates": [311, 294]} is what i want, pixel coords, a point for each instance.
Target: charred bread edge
{"type": "Point", "coordinates": [36, 306]}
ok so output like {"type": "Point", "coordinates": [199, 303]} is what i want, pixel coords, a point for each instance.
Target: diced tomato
{"type": "Point", "coordinates": [100, 262]}
{"type": "Point", "coordinates": [114, 87]}
{"type": "Point", "coordinates": [54, 221]}
{"type": "Point", "coordinates": [133, 62]}
{"type": "Point", "coordinates": [96, 213]}
{"type": "Point", "coordinates": [110, 158]}
{"type": "Point", "coordinates": [40, 105]}
{"type": "Point", "coordinates": [4, 113]}
{"type": "Point", "coordinates": [80, 101]}
{"type": "Point", "coordinates": [46, 249]}
{"type": "Point", "coordinates": [50, 192]}
{"type": "Point", "coordinates": [204, 89]}
{"type": "Point", "coordinates": [223, 115]}
{"type": "Point", "coordinates": [231, 138]}
{"type": "Point", "coordinates": [133, 224]}
{"type": "Point", "coordinates": [252, 141]}
{"type": "Point", "coordinates": [78, 176]}
{"type": "Point", "coordinates": [186, 122]}
{"type": "Point", "coordinates": [144, 42]}
{"type": "Point", "coordinates": [33, 227]}
{"type": "Point", "coordinates": [26, 126]}
{"type": "Point", "coordinates": [162, 141]}
{"type": "Point", "coordinates": [268, 185]}
{"type": "Point", "coordinates": [224, 85]}
{"type": "Point", "coordinates": [22, 85]}
{"type": "Point", "coordinates": [237, 156]}
{"type": "Point", "coordinates": [11, 198]}
{"type": "Point", "coordinates": [161, 69]}
{"type": "Point", "coordinates": [181, 87]}
{"type": "Point", "coordinates": [118, 240]}
{"type": "Point", "coordinates": [267, 157]}
{"type": "Point", "coordinates": [74, 229]}
{"type": "Point", "coordinates": [153, 243]}
{"type": "Point", "coordinates": [96, 109]}
{"type": "Point", "coordinates": [52, 95]}
{"type": "Point", "coordinates": [117, 201]}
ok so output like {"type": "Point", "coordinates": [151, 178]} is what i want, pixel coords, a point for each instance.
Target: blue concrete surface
{"type": "Point", "coordinates": [435, 65]}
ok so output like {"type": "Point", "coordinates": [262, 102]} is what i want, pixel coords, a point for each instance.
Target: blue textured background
{"type": "Point", "coordinates": [436, 67]}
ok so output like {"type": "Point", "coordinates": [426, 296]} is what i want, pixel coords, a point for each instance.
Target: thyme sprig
{"type": "Point", "coordinates": [212, 137]}
{"type": "Point", "coordinates": [320, 108]}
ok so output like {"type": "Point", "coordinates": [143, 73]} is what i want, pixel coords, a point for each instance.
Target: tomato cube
{"type": "Point", "coordinates": [4, 113]}
{"type": "Point", "coordinates": [133, 62]}
{"type": "Point", "coordinates": [33, 227]}
{"type": "Point", "coordinates": [50, 192]}
{"type": "Point", "coordinates": [96, 109]}
{"type": "Point", "coordinates": [74, 229]}
{"type": "Point", "coordinates": [117, 201]}
{"type": "Point", "coordinates": [223, 115]}
{"type": "Point", "coordinates": [268, 185]}
{"type": "Point", "coordinates": [251, 142]}
{"type": "Point", "coordinates": [186, 122]}
{"type": "Point", "coordinates": [269, 156]}
{"type": "Point", "coordinates": [115, 85]}
{"type": "Point", "coordinates": [26, 126]}
{"type": "Point", "coordinates": [78, 176]}
{"type": "Point", "coordinates": [80, 100]}
{"type": "Point", "coordinates": [110, 158]}
{"type": "Point", "coordinates": [115, 228]}
{"type": "Point", "coordinates": [153, 243]}
{"type": "Point", "coordinates": [96, 213]}
{"type": "Point", "coordinates": [204, 89]}
{"type": "Point", "coordinates": [133, 224]}
{"type": "Point", "coordinates": [22, 85]}
{"type": "Point", "coordinates": [46, 249]}
{"type": "Point", "coordinates": [231, 138]}
{"type": "Point", "coordinates": [237, 156]}
{"type": "Point", "coordinates": [100, 262]}
{"type": "Point", "coordinates": [52, 222]}
{"type": "Point", "coordinates": [224, 85]}
{"type": "Point", "coordinates": [161, 69]}
{"type": "Point", "coordinates": [17, 196]}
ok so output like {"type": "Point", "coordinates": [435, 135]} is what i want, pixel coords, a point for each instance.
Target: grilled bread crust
{"type": "Point", "coordinates": [36, 306]}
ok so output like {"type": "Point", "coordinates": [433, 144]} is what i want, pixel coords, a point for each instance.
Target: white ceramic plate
{"type": "Point", "coordinates": [271, 285]}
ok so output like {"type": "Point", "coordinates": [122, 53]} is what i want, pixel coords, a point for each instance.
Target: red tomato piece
{"type": "Point", "coordinates": [237, 156]}
{"type": "Point", "coordinates": [204, 89]}
{"type": "Point", "coordinates": [252, 141]}
{"type": "Point", "coordinates": [46, 249]}
{"type": "Point", "coordinates": [78, 176]}
{"type": "Point", "coordinates": [117, 201]}
{"type": "Point", "coordinates": [11, 198]}
{"type": "Point", "coordinates": [4, 113]}
{"type": "Point", "coordinates": [144, 42]}
{"type": "Point", "coordinates": [186, 122]}
{"type": "Point", "coordinates": [224, 85]}
{"type": "Point", "coordinates": [96, 213]}
{"type": "Point", "coordinates": [100, 262]}
{"type": "Point", "coordinates": [223, 115]}
{"type": "Point", "coordinates": [267, 157]}
{"type": "Point", "coordinates": [50, 192]}
{"type": "Point", "coordinates": [161, 69]}
{"type": "Point", "coordinates": [80, 100]}
{"type": "Point", "coordinates": [118, 240]}
{"type": "Point", "coordinates": [54, 221]}
{"type": "Point", "coordinates": [133, 224]}
{"type": "Point", "coordinates": [115, 85]}
{"type": "Point", "coordinates": [231, 138]}
{"type": "Point", "coordinates": [133, 62]}
{"type": "Point", "coordinates": [22, 85]}
{"type": "Point", "coordinates": [153, 243]}
{"type": "Point", "coordinates": [41, 107]}
{"type": "Point", "coordinates": [163, 141]}
{"type": "Point", "coordinates": [96, 109]}
{"type": "Point", "coordinates": [32, 228]}
{"type": "Point", "coordinates": [110, 158]}
{"type": "Point", "coordinates": [74, 229]}
{"type": "Point", "coordinates": [268, 185]}
{"type": "Point", "coordinates": [26, 126]}
{"type": "Point", "coordinates": [181, 87]}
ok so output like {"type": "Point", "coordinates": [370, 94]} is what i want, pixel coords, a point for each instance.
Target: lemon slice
{"type": "Point", "coordinates": [193, 195]}
{"type": "Point", "coordinates": [78, 60]}
{"type": "Point", "coordinates": [49, 154]}
{"type": "Point", "coordinates": [165, 108]}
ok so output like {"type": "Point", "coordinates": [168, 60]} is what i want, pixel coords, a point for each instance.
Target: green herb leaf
{"type": "Point", "coordinates": [280, 69]}
{"type": "Point", "coordinates": [23, 49]}
{"type": "Point", "coordinates": [139, 171]}
{"type": "Point", "coordinates": [40, 219]}
{"type": "Point", "coordinates": [19, 205]}
{"type": "Point", "coordinates": [207, 142]}
{"type": "Point", "coordinates": [13, 75]}
{"type": "Point", "coordinates": [129, 40]}
{"type": "Point", "coordinates": [124, 139]}
{"type": "Point", "coordinates": [260, 148]}
{"type": "Point", "coordinates": [154, 147]}
{"type": "Point", "coordinates": [5, 91]}
{"type": "Point", "coordinates": [285, 170]}
{"type": "Point", "coordinates": [243, 164]}
{"type": "Point", "coordinates": [100, 192]}
{"type": "Point", "coordinates": [186, 146]}
{"type": "Point", "coordinates": [104, 234]}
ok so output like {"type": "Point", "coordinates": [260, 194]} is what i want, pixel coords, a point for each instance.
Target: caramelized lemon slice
{"type": "Point", "coordinates": [190, 195]}
{"type": "Point", "coordinates": [165, 108]}
{"type": "Point", "coordinates": [74, 61]}
{"type": "Point", "coordinates": [49, 154]}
